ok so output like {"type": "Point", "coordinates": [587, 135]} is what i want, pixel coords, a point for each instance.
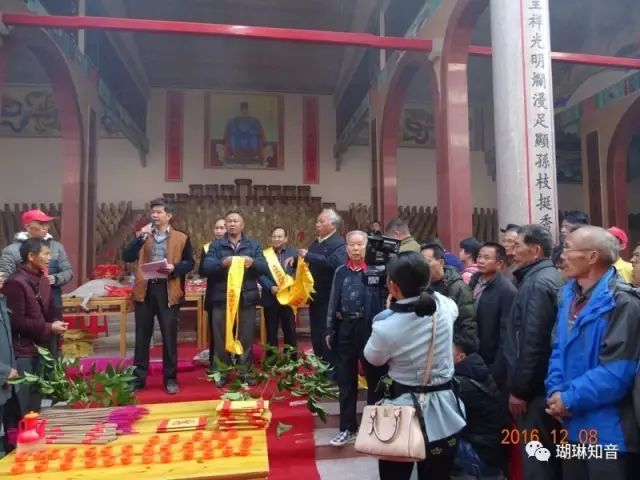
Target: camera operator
{"type": "Point", "coordinates": [399, 229]}
{"type": "Point", "coordinates": [356, 297]}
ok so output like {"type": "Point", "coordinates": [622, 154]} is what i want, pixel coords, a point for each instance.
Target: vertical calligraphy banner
{"type": "Point", "coordinates": [310, 140]}
{"type": "Point", "coordinates": [173, 135]}
{"type": "Point", "coordinates": [538, 88]}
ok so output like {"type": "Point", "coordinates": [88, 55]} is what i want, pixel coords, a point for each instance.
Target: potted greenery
{"type": "Point", "coordinates": [86, 389]}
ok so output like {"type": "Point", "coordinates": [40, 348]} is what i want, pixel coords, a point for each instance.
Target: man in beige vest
{"type": "Point", "coordinates": [160, 297]}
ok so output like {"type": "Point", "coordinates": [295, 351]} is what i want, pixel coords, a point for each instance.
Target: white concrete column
{"type": "Point", "coordinates": [82, 11]}
{"type": "Point", "coordinates": [523, 113]}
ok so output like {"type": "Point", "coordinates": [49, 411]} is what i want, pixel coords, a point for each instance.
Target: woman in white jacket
{"type": "Point", "coordinates": [401, 338]}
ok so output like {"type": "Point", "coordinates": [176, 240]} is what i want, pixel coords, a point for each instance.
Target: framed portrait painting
{"type": "Point", "coordinates": [244, 131]}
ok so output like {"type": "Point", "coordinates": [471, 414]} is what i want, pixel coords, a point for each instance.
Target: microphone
{"type": "Point", "coordinates": [145, 235]}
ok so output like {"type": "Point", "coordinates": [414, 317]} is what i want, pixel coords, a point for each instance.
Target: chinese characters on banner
{"type": "Point", "coordinates": [538, 90]}
{"type": "Point", "coordinates": [174, 116]}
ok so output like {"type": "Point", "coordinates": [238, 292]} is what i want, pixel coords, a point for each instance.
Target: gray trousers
{"type": "Point", "coordinates": [537, 419]}
{"type": "Point", "coordinates": [622, 468]}
{"type": "Point", "coordinates": [246, 334]}
{"type": "Point", "coordinates": [28, 396]}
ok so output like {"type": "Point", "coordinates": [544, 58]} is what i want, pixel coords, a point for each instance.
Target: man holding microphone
{"type": "Point", "coordinates": [159, 297]}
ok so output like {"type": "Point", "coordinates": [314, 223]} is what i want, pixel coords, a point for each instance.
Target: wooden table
{"type": "Point", "coordinates": [109, 306]}
{"type": "Point", "coordinates": [198, 299]}
{"type": "Point", "coordinates": [106, 306]}
{"type": "Point", "coordinates": [254, 466]}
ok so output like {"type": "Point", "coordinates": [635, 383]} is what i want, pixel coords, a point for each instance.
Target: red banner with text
{"type": "Point", "coordinates": [311, 140]}
{"type": "Point", "coordinates": [173, 135]}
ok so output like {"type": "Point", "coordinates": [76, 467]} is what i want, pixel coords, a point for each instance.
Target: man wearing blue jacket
{"type": "Point", "coordinates": [216, 268]}
{"type": "Point", "coordinates": [277, 315]}
{"type": "Point", "coordinates": [594, 360]}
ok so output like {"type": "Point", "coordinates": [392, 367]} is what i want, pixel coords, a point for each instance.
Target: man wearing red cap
{"type": "Point", "coordinates": [36, 224]}
{"type": "Point", "coordinates": [624, 268]}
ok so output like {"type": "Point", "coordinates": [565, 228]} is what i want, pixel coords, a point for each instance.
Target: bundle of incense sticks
{"type": "Point", "coordinates": [86, 434]}
{"type": "Point", "coordinates": [122, 417]}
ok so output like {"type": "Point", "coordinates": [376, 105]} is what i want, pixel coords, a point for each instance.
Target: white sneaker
{"type": "Point", "coordinates": [202, 358]}
{"type": "Point", "coordinates": [343, 438]}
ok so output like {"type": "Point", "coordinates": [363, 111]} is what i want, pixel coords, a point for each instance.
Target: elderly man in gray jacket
{"type": "Point", "coordinates": [36, 224]}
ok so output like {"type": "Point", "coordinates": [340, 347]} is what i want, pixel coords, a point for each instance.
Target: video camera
{"type": "Point", "coordinates": [380, 249]}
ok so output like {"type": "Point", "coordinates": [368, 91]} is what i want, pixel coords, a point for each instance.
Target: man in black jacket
{"type": "Point", "coordinates": [528, 344]}
{"type": "Point", "coordinates": [448, 281]}
{"type": "Point", "coordinates": [325, 254]}
{"type": "Point", "coordinates": [493, 295]}
{"type": "Point", "coordinates": [480, 452]}
{"type": "Point", "coordinates": [570, 222]}
{"type": "Point", "coordinates": [277, 315]}
{"type": "Point", "coordinates": [216, 268]}
{"type": "Point", "coordinates": [352, 305]}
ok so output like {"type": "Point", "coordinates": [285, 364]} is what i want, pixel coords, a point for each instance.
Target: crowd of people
{"type": "Point", "coordinates": [33, 269]}
{"type": "Point", "coordinates": [533, 345]}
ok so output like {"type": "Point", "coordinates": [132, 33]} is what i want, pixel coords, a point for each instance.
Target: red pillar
{"type": "Point", "coordinates": [73, 174]}
{"type": "Point", "coordinates": [617, 160]}
{"type": "Point", "coordinates": [453, 168]}
{"type": "Point", "coordinates": [388, 174]}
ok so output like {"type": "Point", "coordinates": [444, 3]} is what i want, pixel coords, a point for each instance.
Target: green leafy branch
{"type": "Point", "coordinates": [53, 381]}
{"type": "Point", "coordinates": [302, 375]}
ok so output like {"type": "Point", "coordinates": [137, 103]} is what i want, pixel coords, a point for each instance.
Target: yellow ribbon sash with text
{"type": "Point", "coordinates": [293, 292]}
{"type": "Point", "coordinates": [234, 287]}
{"type": "Point", "coordinates": [283, 281]}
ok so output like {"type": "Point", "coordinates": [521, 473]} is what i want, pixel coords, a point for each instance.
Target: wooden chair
{"type": "Point", "coordinates": [227, 191]}
{"type": "Point", "coordinates": [196, 190]}
{"type": "Point", "coordinates": [211, 190]}
{"type": "Point", "coordinates": [243, 187]}
{"type": "Point", "coordinates": [289, 191]}
{"type": "Point", "coordinates": [275, 191]}
{"type": "Point", "coordinates": [304, 191]}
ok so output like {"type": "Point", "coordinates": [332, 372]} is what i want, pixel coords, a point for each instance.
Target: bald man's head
{"type": "Point", "coordinates": [589, 248]}
{"type": "Point", "coordinates": [598, 239]}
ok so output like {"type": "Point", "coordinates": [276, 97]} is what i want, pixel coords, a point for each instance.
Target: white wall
{"type": "Point", "coordinates": [417, 179]}
{"type": "Point", "coordinates": [120, 174]}
{"type": "Point", "coordinates": [122, 177]}
{"type": "Point", "coordinates": [30, 170]}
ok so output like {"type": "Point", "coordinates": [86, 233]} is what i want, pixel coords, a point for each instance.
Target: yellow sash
{"type": "Point", "coordinates": [302, 288]}
{"type": "Point", "coordinates": [234, 286]}
{"type": "Point", "coordinates": [292, 292]}
{"type": "Point", "coordinates": [283, 281]}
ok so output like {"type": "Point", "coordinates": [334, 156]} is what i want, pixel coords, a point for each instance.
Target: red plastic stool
{"type": "Point", "coordinates": [95, 329]}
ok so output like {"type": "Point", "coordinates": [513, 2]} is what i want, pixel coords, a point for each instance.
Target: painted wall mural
{"type": "Point", "coordinates": [244, 131]}
{"type": "Point", "coordinates": [418, 128]}
{"type": "Point", "coordinates": [31, 111]}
